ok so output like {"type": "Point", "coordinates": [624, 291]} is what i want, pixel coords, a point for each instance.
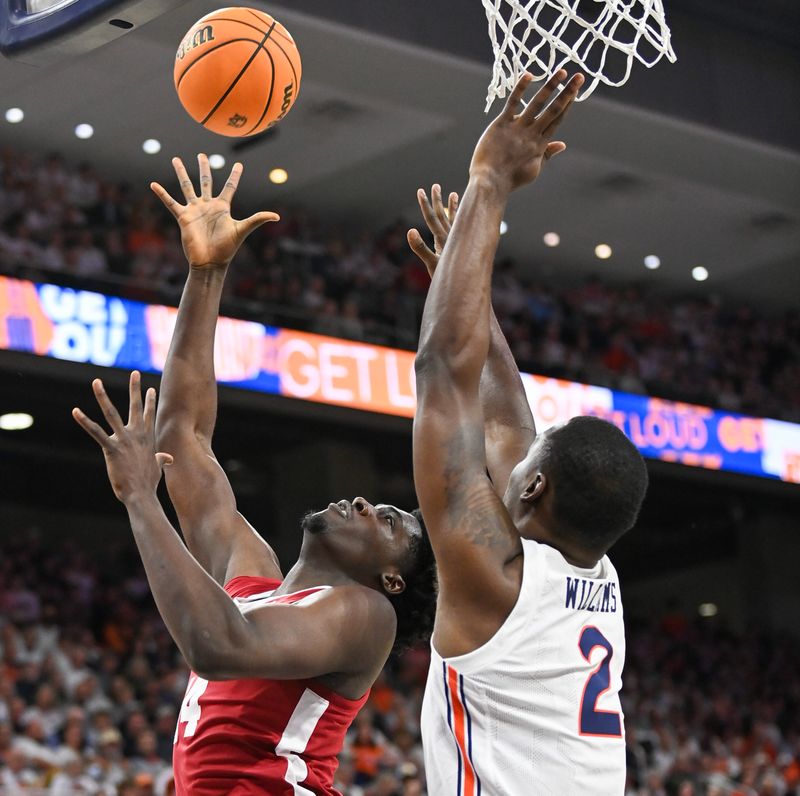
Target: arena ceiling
{"type": "Point", "coordinates": [377, 117]}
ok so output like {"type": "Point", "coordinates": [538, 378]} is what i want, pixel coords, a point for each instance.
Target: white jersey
{"type": "Point", "coordinates": [535, 711]}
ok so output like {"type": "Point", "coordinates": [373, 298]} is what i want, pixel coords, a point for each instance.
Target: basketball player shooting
{"type": "Point", "coordinates": [280, 664]}
{"type": "Point", "coordinates": [528, 645]}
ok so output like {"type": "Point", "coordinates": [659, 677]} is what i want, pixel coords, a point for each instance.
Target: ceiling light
{"type": "Point", "coordinates": [84, 131]}
{"type": "Point", "coordinates": [503, 227]}
{"type": "Point", "coordinates": [216, 161]}
{"type": "Point", "coordinates": [278, 176]}
{"type": "Point", "coordinates": [15, 421]}
{"type": "Point", "coordinates": [551, 239]}
{"type": "Point", "coordinates": [707, 609]}
{"type": "Point", "coordinates": [14, 115]}
{"type": "Point", "coordinates": [699, 273]}
{"type": "Point", "coordinates": [151, 146]}
{"type": "Point", "coordinates": [652, 262]}
{"type": "Point", "coordinates": [603, 251]}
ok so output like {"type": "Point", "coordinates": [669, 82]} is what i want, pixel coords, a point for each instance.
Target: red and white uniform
{"type": "Point", "coordinates": [276, 737]}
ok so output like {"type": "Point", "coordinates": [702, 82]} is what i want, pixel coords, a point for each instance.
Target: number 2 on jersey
{"type": "Point", "coordinates": [190, 707]}
{"type": "Point", "coordinates": [605, 723]}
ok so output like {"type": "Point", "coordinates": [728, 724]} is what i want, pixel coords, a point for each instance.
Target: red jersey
{"type": "Point", "coordinates": [276, 737]}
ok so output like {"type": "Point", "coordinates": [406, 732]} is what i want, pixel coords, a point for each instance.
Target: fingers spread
{"type": "Point", "coordinates": [452, 206]}
{"type": "Point", "coordinates": [91, 428]}
{"type": "Point", "coordinates": [229, 189]}
{"type": "Point", "coordinates": [558, 108]}
{"type": "Point", "coordinates": [205, 176]}
{"type": "Point", "coordinates": [149, 414]}
{"type": "Point", "coordinates": [166, 199]}
{"type": "Point", "coordinates": [109, 410]}
{"type": "Point", "coordinates": [420, 248]}
{"type": "Point", "coordinates": [438, 209]}
{"type": "Point", "coordinates": [417, 244]}
{"type": "Point", "coordinates": [515, 98]}
{"type": "Point", "coordinates": [252, 223]}
{"type": "Point", "coordinates": [543, 96]}
{"type": "Point", "coordinates": [428, 213]}
{"type": "Point", "coordinates": [183, 179]}
{"type": "Point", "coordinates": [135, 392]}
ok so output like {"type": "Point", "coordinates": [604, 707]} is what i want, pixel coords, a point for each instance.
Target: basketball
{"type": "Point", "coordinates": [237, 71]}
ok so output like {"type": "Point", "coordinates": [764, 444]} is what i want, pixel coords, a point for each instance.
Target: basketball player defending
{"type": "Point", "coordinates": [528, 644]}
{"type": "Point", "coordinates": [280, 665]}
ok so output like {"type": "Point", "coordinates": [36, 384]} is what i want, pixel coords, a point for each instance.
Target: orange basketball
{"type": "Point", "coordinates": [237, 71]}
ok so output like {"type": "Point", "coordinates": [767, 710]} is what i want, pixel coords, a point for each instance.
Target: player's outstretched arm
{"type": "Point", "coordinates": [477, 546]}
{"type": "Point", "coordinates": [509, 427]}
{"type": "Point", "coordinates": [350, 627]}
{"type": "Point", "coordinates": [218, 536]}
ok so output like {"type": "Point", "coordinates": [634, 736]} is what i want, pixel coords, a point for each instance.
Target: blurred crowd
{"type": "Point", "coordinates": [710, 713]}
{"type": "Point", "coordinates": [67, 223]}
{"type": "Point", "coordinates": [90, 683]}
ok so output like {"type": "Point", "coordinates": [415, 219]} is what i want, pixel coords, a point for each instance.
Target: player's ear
{"type": "Point", "coordinates": [393, 583]}
{"type": "Point", "coordinates": [535, 488]}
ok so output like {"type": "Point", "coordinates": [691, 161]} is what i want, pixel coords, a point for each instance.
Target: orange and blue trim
{"type": "Point", "coordinates": [459, 720]}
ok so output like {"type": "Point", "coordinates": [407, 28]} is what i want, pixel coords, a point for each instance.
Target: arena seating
{"type": "Point", "coordinates": [90, 682]}
{"type": "Point", "coordinates": [66, 223]}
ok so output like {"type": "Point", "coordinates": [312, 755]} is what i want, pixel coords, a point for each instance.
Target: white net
{"type": "Point", "coordinates": [600, 37]}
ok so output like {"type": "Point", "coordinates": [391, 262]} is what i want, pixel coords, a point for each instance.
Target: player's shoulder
{"type": "Point", "coordinates": [363, 619]}
{"type": "Point", "coordinates": [355, 603]}
{"type": "Point", "coordinates": [549, 557]}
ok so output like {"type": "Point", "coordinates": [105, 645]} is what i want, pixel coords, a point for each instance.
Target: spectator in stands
{"type": "Point", "coordinates": [62, 222]}
{"type": "Point", "coordinates": [707, 712]}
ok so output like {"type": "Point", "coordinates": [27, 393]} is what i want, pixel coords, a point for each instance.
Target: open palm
{"type": "Point", "coordinates": [209, 234]}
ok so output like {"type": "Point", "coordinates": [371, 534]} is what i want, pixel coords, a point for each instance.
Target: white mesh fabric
{"type": "Point", "coordinates": [542, 36]}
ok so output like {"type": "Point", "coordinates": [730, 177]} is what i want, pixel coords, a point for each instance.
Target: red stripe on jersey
{"type": "Point", "coordinates": [247, 585]}
{"type": "Point", "coordinates": [459, 723]}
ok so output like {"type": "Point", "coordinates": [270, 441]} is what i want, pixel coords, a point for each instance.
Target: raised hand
{"type": "Point", "coordinates": [134, 467]}
{"type": "Point", "coordinates": [514, 146]}
{"type": "Point", "coordinates": [439, 222]}
{"type": "Point", "coordinates": [210, 235]}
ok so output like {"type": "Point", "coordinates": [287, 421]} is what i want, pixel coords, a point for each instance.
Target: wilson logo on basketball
{"type": "Point", "coordinates": [201, 36]}
{"type": "Point", "coordinates": [288, 92]}
{"type": "Point", "coordinates": [237, 120]}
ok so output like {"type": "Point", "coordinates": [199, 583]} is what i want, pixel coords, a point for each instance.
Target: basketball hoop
{"type": "Point", "coordinates": [600, 37]}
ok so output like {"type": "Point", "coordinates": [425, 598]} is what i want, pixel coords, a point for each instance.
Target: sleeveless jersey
{"type": "Point", "coordinates": [535, 711]}
{"type": "Point", "coordinates": [258, 736]}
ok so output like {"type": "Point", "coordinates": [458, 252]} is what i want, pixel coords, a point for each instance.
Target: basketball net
{"type": "Point", "coordinates": [541, 36]}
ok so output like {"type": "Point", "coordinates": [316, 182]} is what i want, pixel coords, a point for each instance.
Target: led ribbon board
{"type": "Point", "coordinates": [83, 326]}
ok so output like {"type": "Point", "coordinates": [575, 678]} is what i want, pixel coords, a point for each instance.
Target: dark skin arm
{"type": "Point", "coordinates": [509, 426]}
{"type": "Point", "coordinates": [349, 625]}
{"type": "Point", "coordinates": [216, 533]}
{"type": "Point", "coordinates": [477, 547]}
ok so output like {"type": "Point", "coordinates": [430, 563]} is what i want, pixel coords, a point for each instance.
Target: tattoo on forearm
{"type": "Point", "coordinates": [473, 508]}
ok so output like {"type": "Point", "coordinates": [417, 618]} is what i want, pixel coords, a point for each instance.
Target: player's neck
{"type": "Point", "coordinates": [573, 553]}
{"type": "Point", "coordinates": [306, 574]}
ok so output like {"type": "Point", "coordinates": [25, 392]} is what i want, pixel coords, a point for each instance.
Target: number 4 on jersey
{"type": "Point", "coordinates": [605, 723]}
{"type": "Point", "coordinates": [190, 709]}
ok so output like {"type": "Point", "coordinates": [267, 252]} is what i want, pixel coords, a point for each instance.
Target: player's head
{"type": "Point", "coordinates": [582, 482]}
{"type": "Point", "coordinates": [382, 547]}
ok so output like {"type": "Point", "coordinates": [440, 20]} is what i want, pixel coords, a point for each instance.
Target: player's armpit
{"type": "Point", "coordinates": [506, 446]}
{"type": "Point", "coordinates": [349, 630]}
{"type": "Point", "coordinates": [217, 535]}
